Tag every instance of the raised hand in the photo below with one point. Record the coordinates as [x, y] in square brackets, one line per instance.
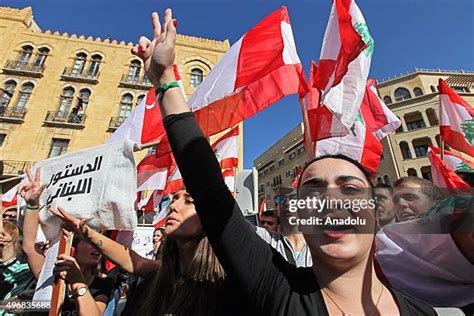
[158, 54]
[74, 224]
[31, 191]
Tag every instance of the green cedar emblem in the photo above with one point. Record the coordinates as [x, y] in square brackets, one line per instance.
[468, 130]
[464, 167]
[363, 31]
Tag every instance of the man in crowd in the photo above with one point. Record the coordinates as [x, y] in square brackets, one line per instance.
[385, 211]
[10, 213]
[413, 197]
[288, 240]
[269, 220]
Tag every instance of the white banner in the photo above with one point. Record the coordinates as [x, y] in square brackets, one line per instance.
[97, 183]
[143, 241]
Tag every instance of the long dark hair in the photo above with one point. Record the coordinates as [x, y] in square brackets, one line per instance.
[191, 292]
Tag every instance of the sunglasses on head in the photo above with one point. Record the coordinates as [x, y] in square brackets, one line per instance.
[267, 222]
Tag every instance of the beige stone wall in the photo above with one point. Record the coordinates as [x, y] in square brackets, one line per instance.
[31, 139]
[269, 167]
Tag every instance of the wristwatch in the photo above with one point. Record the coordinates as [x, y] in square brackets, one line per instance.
[79, 292]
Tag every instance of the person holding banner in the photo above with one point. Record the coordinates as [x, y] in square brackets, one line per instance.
[189, 279]
[87, 294]
[342, 279]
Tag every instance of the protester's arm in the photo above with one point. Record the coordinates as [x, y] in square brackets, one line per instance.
[233, 239]
[66, 267]
[31, 192]
[124, 257]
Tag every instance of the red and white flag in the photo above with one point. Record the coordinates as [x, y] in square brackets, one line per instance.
[342, 72]
[229, 179]
[360, 144]
[226, 149]
[174, 182]
[153, 201]
[263, 207]
[456, 120]
[444, 176]
[153, 171]
[144, 125]
[258, 70]
[377, 116]
[10, 197]
[160, 218]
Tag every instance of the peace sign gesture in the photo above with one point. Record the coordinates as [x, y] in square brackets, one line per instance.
[159, 54]
[31, 191]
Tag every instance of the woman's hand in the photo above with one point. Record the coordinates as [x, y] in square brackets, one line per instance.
[31, 191]
[74, 224]
[158, 55]
[66, 268]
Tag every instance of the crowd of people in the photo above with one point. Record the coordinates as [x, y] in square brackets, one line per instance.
[418, 254]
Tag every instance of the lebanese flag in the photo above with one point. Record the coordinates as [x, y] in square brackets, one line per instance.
[444, 176]
[456, 162]
[360, 144]
[342, 72]
[226, 149]
[10, 198]
[152, 171]
[296, 180]
[229, 179]
[312, 98]
[259, 69]
[160, 218]
[153, 201]
[377, 116]
[456, 120]
[174, 181]
[145, 124]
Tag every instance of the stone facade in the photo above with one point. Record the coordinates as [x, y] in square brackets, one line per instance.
[72, 91]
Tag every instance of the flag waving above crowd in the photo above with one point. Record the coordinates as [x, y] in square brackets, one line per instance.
[342, 71]
[456, 120]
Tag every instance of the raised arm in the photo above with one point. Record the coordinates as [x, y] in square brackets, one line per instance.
[124, 257]
[233, 239]
[31, 192]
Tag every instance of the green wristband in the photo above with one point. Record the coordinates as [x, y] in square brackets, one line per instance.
[166, 86]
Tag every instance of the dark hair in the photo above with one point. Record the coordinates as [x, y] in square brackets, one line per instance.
[388, 187]
[271, 213]
[341, 157]
[427, 187]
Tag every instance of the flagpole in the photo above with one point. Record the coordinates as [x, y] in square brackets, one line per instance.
[139, 147]
[441, 140]
[307, 135]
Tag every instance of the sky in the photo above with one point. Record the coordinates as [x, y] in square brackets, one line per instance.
[433, 34]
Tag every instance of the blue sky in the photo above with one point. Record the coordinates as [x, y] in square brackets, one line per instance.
[407, 33]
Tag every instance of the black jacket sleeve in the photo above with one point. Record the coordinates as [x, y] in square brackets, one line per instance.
[245, 257]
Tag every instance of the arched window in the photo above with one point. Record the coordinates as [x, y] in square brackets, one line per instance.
[77, 113]
[83, 99]
[25, 54]
[41, 57]
[139, 99]
[433, 88]
[94, 66]
[402, 94]
[406, 153]
[386, 179]
[387, 100]
[417, 91]
[421, 145]
[400, 129]
[65, 100]
[426, 173]
[125, 106]
[414, 120]
[79, 64]
[7, 94]
[197, 76]
[432, 117]
[134, 70]
[379, 180]
[25, 93]
[412, 172]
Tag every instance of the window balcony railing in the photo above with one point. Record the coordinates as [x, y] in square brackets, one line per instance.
[135, 82]
[14, 167]
[116, 121]
[23, 68]
[74, 74]
[12, 115]
[67, 120]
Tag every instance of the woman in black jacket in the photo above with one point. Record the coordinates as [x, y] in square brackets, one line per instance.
[342, 280]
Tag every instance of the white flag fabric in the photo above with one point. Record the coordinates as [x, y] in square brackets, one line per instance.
[98, 183]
